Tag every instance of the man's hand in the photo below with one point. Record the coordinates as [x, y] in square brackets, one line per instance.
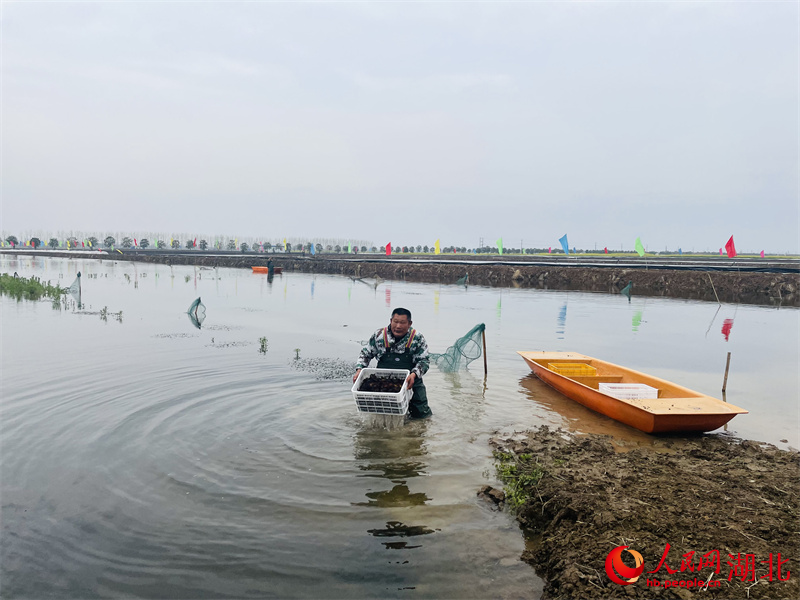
[412, 377]
[356, 375]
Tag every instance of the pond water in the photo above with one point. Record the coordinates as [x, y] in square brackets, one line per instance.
[144, 457]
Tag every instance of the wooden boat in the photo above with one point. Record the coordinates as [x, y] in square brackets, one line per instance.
[275, 270]
[675, 408]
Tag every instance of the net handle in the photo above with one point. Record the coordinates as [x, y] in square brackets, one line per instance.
[485, 369]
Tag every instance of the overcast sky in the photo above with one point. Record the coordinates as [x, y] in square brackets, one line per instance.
[406, 122]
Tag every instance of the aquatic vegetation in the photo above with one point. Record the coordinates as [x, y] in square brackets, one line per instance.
[32, 288]
[104, 314]
[263, 345]
[520, 474]
[326, 368]
[297, 353]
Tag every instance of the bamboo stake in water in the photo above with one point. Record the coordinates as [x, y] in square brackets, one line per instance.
[483, 335]
[713, 288]
[727, 366]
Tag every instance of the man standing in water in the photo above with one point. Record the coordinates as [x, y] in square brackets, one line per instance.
[400, 347]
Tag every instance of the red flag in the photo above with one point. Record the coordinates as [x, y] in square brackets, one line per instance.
[195, 242]
[388, 249]
[606, 249]
[762, 254]
[720, 251]
[83, 245]
[730, 248]
[135, 243]
[550, 250]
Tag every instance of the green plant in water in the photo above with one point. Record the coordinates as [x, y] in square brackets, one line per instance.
[263, 345]
[23, 288]
[186, 278]
[519, 475]
[297, 353]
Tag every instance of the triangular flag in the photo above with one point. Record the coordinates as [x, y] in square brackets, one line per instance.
[606, 249]
[730, 248]
[437, 248]
[680, 251]
[500, 245]
[313, 252]
[564, 243]
[720, 251]
[284, 244]
[639, 247]
[762, 254]
[349, 247]
[550, 250]
[389, 249]
[135, 243]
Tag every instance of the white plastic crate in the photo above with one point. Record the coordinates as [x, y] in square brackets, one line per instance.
[628, 391]
[381, 402]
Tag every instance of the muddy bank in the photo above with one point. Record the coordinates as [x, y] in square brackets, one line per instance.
[773, 289]
[579, 498]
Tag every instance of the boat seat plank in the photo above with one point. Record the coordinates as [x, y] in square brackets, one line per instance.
[593, 380]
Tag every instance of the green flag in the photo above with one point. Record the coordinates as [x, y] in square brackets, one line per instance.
[639, 247]
[500, 245]
[349, 247]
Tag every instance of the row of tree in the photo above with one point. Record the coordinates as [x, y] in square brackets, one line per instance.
[127, 242]
[144, 243]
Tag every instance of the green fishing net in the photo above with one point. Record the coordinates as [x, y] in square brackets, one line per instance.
[466, 349]
[197, 313]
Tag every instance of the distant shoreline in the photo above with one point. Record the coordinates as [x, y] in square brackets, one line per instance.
[747, 281]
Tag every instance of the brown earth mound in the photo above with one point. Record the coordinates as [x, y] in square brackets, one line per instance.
[584, 498]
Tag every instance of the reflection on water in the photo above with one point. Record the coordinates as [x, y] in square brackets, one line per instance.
[561, 322]
[398, 529]
[636, 320]
[394, 455]
[399, 495]
[727, 325]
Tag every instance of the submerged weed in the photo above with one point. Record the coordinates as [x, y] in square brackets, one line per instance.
[263, 345]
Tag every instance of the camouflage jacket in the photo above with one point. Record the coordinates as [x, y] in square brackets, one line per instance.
[382, 341]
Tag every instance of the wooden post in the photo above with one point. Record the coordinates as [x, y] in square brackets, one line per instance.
[713, 288]
[483, 335]
[727, 366]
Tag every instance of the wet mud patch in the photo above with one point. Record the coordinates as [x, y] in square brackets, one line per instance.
[577, 498]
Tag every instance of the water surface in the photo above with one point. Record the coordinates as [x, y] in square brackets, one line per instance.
[144, 457]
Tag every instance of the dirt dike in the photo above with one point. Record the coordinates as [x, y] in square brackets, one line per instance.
[582, 497]
[772, 289]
